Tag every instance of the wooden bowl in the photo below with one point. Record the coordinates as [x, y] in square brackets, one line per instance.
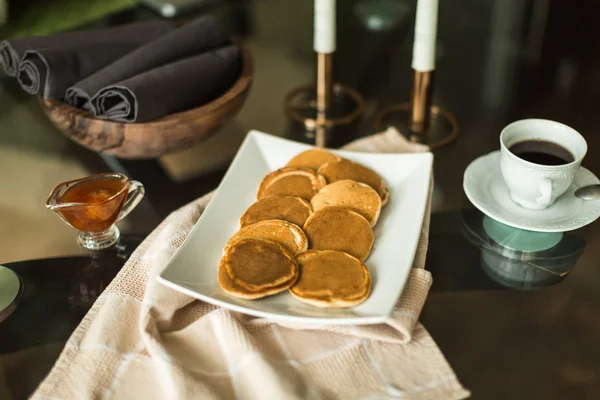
[155, 138]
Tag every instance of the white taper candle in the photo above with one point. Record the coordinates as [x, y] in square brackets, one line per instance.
[425, 35]
[324, 33]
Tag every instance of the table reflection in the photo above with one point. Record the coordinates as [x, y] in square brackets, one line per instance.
[521, 259]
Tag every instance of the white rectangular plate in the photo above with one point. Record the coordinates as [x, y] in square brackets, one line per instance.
[193, 270]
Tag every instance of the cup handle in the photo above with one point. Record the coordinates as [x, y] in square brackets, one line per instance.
[545, 189]
[134, 196]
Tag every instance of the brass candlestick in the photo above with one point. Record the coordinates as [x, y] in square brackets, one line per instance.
[319, 112]
[420, 98]
[324, 81]
[322, 110]
[324, 94]
[418, 120]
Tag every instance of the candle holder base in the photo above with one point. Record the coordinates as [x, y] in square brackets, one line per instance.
[443, 126]
[331, 128]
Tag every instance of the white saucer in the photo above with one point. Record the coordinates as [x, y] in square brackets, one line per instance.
[485, 188]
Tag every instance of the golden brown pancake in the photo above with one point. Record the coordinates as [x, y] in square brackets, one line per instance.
[331, 279]
[290, 236]
[354, 195]
[234, 289]
[312, 159]
[339, 228]
[345, 169]
[288, 181]
[254, 268]
[287, 208]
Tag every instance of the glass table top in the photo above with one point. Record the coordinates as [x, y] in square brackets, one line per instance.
[515, 314]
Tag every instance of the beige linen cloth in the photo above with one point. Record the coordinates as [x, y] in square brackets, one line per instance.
[142, 340]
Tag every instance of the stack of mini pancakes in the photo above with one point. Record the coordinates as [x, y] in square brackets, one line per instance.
[308, 232]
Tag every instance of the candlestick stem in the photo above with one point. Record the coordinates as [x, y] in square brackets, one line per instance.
[420, 100]
[324, 93]
[324, 81]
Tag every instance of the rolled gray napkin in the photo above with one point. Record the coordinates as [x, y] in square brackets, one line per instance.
[49, 72]
[174, 87]
[134, 35]
[203, 34]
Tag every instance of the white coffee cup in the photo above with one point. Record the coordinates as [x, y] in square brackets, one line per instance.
[537, 186]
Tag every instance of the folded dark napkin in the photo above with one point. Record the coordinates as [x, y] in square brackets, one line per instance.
[49, 72]
[203, 34]
[171, 88]
[134, 35]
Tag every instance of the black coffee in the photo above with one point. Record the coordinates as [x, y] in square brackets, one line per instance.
[542, 152]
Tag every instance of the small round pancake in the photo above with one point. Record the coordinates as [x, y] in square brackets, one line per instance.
[312, 159]
[331, 279]
[229, 286]
[339, 228]
[290, 236]
[288, 181]
[354, 195]
[346, 169]
[258, 267]
[287, 208]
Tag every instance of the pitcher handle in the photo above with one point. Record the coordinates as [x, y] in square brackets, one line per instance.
[134, 196]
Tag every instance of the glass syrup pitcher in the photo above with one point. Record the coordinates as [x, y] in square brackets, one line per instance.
[93, 205]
